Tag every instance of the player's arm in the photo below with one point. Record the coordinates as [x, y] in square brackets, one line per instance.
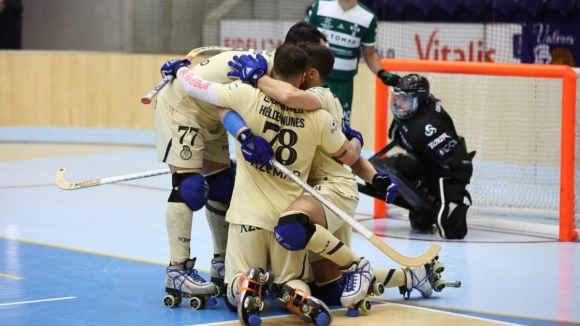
[287, 94]
[253, 71]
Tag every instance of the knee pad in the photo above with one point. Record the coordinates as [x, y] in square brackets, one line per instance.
[221, 185]
[294, 231]
[189, 188]
[421, 220]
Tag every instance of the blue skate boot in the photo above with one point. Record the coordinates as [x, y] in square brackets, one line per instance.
[360, 282]
[250, 304]
[425, 279]
[308, 308]
[183, 281]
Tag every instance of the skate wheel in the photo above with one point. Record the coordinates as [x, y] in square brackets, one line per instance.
[323, 319]
[281, 303]
[211, 302]
[439, 285]
[218, 292]
[378, 288]
[268, 278]
[352, 312]
[249, 303]
[272, 288]
[264, 307]
[170, 301]
[439, 268]
[254, 320]
[305, 318]
[365, 305]
[195, 303]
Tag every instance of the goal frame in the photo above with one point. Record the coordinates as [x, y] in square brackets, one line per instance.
[567, 231]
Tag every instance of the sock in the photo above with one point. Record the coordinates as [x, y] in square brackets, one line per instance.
[178, 219]
[391, 277]
[215, 213]
[328, 246]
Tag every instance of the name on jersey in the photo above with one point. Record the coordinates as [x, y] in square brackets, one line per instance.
[274, 172]
[277, 115]
[438, 140]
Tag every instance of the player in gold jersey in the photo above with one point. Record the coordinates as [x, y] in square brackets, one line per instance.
[336, 183]
[262, 194]
[193, 142]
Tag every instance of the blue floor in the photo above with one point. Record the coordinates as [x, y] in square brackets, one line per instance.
[97, 256]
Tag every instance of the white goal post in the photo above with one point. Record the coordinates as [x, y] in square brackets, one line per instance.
[522, 120]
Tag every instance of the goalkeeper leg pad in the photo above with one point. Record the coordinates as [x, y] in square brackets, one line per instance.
[294, 230]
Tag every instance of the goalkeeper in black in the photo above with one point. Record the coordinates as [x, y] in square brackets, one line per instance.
[436, 167]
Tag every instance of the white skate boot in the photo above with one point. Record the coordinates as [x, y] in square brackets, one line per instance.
[359, 283]
[183, 281]
[218, 273]
[424, 279]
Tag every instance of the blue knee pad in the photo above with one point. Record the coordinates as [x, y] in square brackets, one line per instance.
[192, 189]
[294, 231]
[221, 185]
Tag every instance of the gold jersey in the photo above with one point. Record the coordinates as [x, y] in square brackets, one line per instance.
[213, 69]
[260, 196]
[325, 167]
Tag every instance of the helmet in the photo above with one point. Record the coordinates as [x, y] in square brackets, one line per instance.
[409, 93]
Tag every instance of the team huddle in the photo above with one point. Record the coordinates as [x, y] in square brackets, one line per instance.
[276, 106]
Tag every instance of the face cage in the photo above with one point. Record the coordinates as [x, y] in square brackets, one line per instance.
[400, 112]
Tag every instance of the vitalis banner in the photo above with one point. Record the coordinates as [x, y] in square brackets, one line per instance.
[407, 40]
[548, 43]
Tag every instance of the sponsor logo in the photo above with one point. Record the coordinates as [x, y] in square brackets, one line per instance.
[438, 107]
[341, 26]
[189, 78]
[551, 37]
[185, 240]
[438, 141]
[249, 228]
[257, 43]
[474, 51]
[317, 90]
[327, 23]
[430, 130]
[334, 127]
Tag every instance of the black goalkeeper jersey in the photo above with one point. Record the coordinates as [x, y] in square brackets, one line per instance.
[429, 134]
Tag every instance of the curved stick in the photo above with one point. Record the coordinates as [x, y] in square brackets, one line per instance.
[63, 184]
[399, 258]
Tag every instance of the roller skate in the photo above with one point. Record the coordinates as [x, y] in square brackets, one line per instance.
[183, 281]
[360, 282]
[217, 273]
[250, 296]
[425, 279]
[308, 308]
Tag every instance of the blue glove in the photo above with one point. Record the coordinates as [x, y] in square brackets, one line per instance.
[256, 149]
[248, 69]
[385, 185]
[351, 133]
[171, 67]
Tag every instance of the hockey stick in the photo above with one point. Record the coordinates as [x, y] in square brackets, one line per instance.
[399, 258]
[192, 54]
[63, 184]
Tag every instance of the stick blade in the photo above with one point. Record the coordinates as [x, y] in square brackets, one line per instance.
[407, 261]
[65, 185]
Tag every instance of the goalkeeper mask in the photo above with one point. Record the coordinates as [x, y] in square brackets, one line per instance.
[405, 104]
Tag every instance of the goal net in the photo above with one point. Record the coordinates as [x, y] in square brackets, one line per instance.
[523, 122]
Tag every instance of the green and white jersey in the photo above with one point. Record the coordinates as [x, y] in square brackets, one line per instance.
[345, 31]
